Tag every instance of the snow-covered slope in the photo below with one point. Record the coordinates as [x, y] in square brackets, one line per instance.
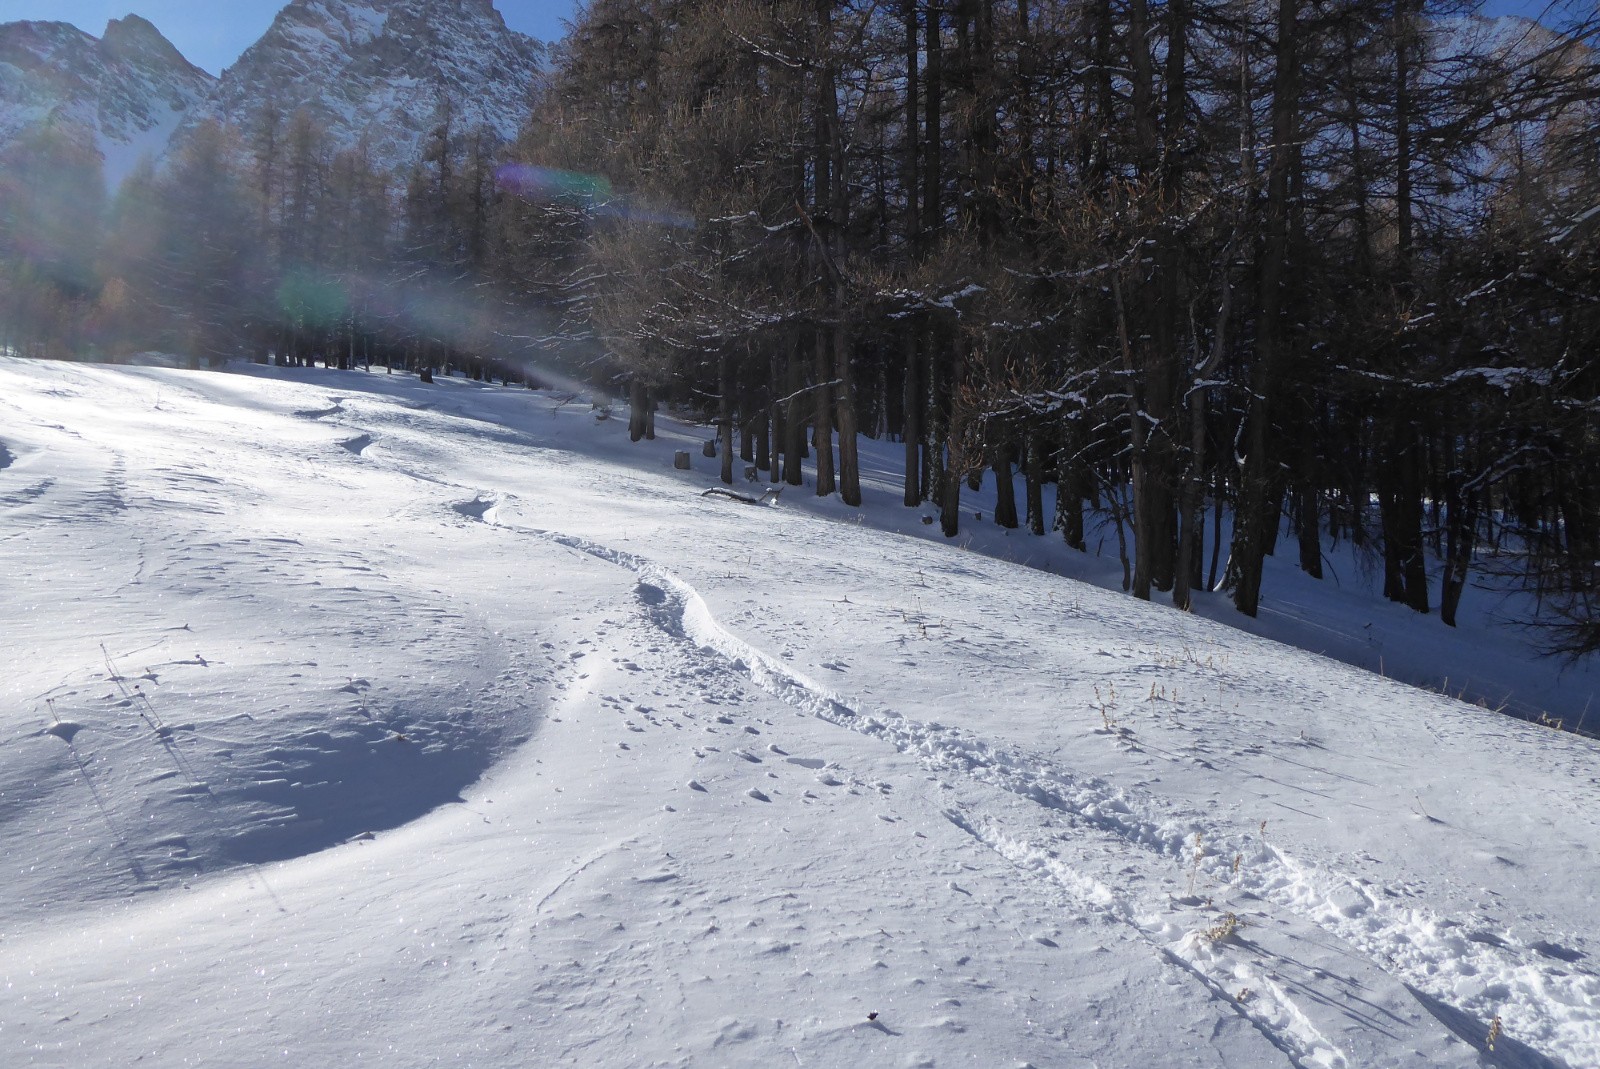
[382, 70]
[350, 719]
[126, 91]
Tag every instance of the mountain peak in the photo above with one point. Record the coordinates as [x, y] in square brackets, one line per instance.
[133, 39]
[377, 71]
[124, 93]
[132, 28]
[373, 71]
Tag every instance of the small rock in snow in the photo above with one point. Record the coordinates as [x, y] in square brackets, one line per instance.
[696, 785]
[757, 795]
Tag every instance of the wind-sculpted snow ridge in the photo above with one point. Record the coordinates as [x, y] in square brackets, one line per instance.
[1314, 958]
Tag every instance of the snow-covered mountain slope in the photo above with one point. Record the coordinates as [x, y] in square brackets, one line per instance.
[126, 91]
[348, 718]
[383, 70]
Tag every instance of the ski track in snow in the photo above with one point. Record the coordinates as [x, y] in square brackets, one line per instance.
[1218, 918]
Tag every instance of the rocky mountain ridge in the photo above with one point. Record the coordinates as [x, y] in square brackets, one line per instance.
[382, 72]
[125, 92]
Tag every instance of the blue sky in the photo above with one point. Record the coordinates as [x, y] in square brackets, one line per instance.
[212, 33]
[213, 40]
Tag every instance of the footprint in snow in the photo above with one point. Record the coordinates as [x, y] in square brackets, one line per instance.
[1560, 953]
[476, 509]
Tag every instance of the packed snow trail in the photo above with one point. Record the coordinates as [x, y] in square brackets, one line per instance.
[1328, 917]
[1337, 920]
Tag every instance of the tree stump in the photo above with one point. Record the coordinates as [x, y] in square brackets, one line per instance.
[709, 448]
[680, 460]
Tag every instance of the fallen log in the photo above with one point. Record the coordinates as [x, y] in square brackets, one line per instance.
[770, 497]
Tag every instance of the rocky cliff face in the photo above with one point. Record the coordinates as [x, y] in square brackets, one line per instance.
[384, 71]
[124, 93]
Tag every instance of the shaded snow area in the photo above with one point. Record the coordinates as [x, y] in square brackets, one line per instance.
[351, 719]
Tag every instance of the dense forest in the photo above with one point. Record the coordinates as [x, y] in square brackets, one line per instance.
[1229, 277]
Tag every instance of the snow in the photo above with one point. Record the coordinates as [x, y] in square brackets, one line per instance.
[351, 718]
[124, 154]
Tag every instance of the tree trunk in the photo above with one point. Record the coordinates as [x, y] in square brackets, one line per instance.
[794, 426]
[780, 434]
[1005, 487]
[912, 425]
[823, 432]
[1461, 530]
[849, 450]
[1070, 493]
[1249, 535]
[933, 125]
[1142, 527]
[1033, 482]
[637, 400]
[950, 503]
[1308, 523]
[725, 415]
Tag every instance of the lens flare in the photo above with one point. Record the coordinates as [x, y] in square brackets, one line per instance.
[312, 299]
[547, 185]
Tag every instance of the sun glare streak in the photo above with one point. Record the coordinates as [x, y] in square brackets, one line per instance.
[470, 319]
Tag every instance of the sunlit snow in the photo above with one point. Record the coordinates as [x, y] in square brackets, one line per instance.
[350, 719]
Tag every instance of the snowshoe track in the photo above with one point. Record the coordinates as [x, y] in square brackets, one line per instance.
[1376, 956]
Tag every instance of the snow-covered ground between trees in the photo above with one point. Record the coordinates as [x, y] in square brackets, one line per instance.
[351, 720]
